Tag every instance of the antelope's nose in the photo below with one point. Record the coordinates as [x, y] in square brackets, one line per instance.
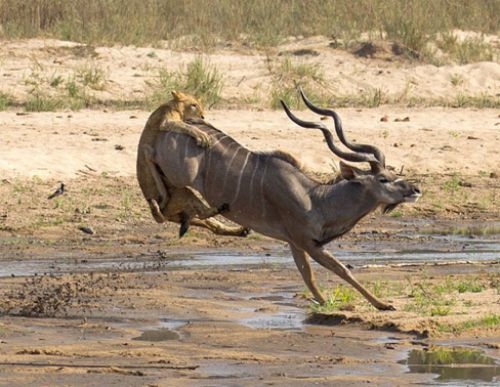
[202, 117]
[416, 191]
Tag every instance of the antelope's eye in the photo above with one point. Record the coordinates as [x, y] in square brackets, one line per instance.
[383, 180]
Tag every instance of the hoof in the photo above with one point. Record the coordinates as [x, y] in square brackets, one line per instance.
[386, 307]
[183, 229]
[223, 208]
[244, 232]
[184, 225]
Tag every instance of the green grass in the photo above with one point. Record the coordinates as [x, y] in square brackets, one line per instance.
[456, 79]
[489, 321]
[470, 286]
[288, 75]
[482, 101]
[339, 298]
[199, 78]
[396, 214]
[6, 100]
[92, 76]
[429, 301]
[452, 185]
[41, 102]
[469, 231]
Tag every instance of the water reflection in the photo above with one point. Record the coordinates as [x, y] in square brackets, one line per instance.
[454, 364]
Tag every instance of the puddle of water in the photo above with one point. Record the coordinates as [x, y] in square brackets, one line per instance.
[172, 324]
[439, 249]
[161, 334]
[454, 364]
[289, 320]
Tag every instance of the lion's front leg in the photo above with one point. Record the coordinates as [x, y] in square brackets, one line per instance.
[202, 139]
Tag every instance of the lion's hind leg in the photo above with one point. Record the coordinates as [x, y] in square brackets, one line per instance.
[220, 228]
[187, 207]
[162, 197]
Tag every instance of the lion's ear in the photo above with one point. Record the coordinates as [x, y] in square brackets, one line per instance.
[177, 96]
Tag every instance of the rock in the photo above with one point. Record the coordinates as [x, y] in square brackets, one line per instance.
[86, 230]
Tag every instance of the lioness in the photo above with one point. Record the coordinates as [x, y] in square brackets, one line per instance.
[180, 205]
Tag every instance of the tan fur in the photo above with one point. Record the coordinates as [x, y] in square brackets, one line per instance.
[180, 205]
[169, 116]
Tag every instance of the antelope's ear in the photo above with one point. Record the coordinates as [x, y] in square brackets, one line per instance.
[349, 172]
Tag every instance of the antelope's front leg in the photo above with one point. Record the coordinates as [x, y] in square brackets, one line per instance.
[304, 266]
[324, 258]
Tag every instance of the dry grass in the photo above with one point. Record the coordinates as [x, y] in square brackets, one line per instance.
[207, 21]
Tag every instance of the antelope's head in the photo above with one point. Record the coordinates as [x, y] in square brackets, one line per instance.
[386, 187]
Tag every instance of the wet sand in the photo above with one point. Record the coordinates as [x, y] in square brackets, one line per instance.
[247, 323]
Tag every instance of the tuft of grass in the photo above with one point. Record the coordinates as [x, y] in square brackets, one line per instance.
[489, 321]
[469, 50]
[470, 286]
[204, 80]
[42, 102]
[6, 100]
[200, 78]
[430, 300]
[77, 95]
[396, 214]
[288, 75]
[482, 101]
[339, 298]
[456, 79]
[300, 71]
[92, 76]
[469, 231]
[452, 185]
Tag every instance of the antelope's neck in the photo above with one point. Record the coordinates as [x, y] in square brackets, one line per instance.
[341, 207]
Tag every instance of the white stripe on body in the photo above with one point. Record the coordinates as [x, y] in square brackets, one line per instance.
[228, 171]
[261, 195]
[238, 185]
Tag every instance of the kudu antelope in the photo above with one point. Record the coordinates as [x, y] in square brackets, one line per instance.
[270, 195]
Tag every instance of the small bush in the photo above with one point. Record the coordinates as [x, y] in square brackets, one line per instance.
[5, 101]
[200, 79]
[40, 102]
[92, 76]
[469, 286]
[288, 75]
